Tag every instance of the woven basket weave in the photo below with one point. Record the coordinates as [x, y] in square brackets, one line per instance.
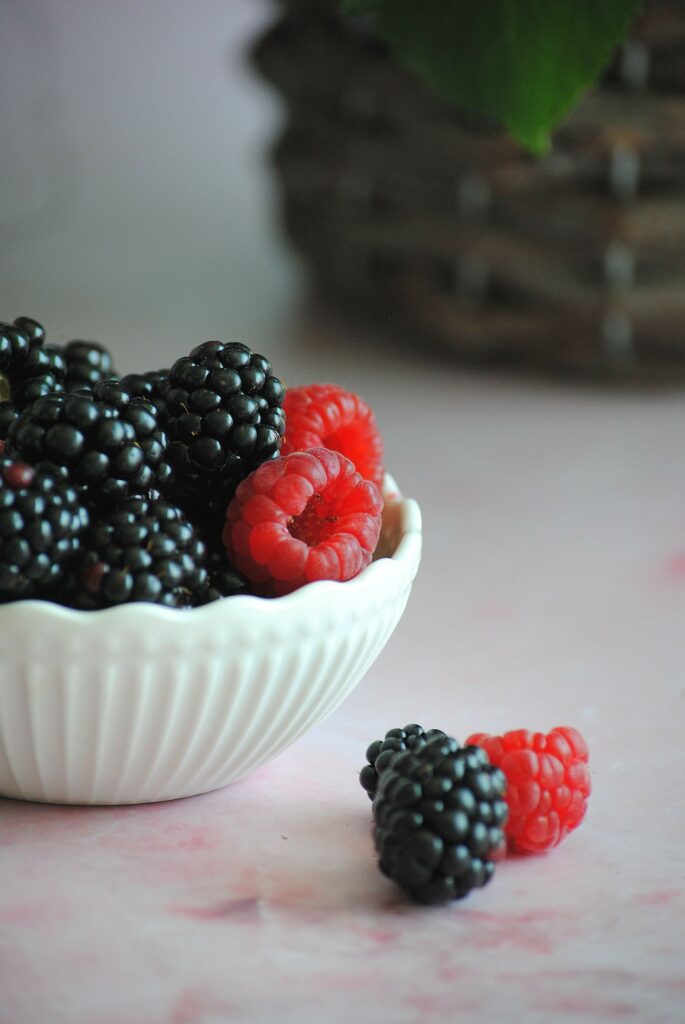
[444, 227]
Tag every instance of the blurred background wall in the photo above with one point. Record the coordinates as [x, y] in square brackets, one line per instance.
[136, 206]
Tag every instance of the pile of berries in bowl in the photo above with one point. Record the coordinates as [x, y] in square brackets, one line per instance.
[195, 566]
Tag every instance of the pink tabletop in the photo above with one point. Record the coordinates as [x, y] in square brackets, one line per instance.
[552, 591]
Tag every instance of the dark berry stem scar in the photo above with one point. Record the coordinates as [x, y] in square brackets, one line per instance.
[5, 389]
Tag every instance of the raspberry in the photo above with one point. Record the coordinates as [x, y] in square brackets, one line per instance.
[438, 815]
[325, 415]
[302, 517]
[380, 753]
[548, 784]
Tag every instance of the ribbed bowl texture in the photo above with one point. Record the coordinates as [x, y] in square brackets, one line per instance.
[143, 703]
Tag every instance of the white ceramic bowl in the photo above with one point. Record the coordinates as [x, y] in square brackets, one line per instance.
[142, 703]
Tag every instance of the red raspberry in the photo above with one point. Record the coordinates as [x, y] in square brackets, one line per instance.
[548, 784]
[326, 415]
[302, 517]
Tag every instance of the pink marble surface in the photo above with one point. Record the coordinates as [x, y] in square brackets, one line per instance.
[552, 591]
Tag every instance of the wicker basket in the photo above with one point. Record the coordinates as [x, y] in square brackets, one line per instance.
[444, 227]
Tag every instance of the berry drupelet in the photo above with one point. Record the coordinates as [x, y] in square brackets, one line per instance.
[225, 419]
[439, 813]
[143, 550]
[109, 442]
[41, 520]
[29, 327]
[87, 364]
[28, 368]
[380, 753]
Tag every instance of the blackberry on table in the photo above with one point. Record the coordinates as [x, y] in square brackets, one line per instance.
[109, 442]
[143, 550]
[225, 418]
[439, 813]
[28, 368]
[41, 521]
[380, 753]
[87, 363]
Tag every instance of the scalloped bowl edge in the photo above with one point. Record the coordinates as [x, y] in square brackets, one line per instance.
[142, 703]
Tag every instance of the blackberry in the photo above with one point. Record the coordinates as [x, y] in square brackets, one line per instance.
[41, 520]
[225, 419]
[143, 550]
[223, 579]
[87, 363]
[439, 813]
[380, 753]
[109, 442]
[28, 368]
[34, 331]
[153, 386]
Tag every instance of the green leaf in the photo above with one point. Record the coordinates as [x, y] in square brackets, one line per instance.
[524, 63]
